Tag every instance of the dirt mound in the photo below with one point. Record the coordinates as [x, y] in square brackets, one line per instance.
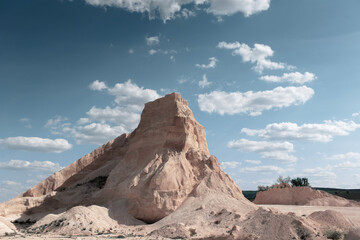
[287, 195]
[330, 218]
[6, 227]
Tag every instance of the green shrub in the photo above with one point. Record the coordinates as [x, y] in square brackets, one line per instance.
[299, 182]
[333, 234]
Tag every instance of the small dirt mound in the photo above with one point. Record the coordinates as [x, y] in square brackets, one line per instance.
[288, 195]
[330, 218]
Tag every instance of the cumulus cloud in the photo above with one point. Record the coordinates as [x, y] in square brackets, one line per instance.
[229, 7]
[320, 172]
[355, 114]
[97, 85]
[151, 41]
[348, 165]
[253, 103]
[36, 144]
[294, 77]
[104, 124]
[170, 9]
[346, 156]
[323, 132]
[258, 55]
[267, 169]
[211, 64]
[56, 124]
[126, 117]
[96, 133]
[204, 82]
[130, 93]
[227, 165]
[256, 162]
[270, 150]
[34, 166]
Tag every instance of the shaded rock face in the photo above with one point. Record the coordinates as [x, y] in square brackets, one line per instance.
[151, 171]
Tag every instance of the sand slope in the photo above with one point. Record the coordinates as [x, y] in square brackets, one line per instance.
[287, 195]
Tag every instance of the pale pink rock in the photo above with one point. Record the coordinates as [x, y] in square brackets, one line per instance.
[153, 170]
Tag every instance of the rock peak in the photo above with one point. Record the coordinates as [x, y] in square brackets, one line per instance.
[170, 123]
[148, 173]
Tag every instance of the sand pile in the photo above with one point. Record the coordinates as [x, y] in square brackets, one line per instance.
[330, 218]
[159, 181]
[287, 195]
[6, 227]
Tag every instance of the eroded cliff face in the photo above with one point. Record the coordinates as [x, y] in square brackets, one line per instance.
[152, 171]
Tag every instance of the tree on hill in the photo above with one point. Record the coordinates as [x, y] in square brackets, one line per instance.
[299, 182]
[281, 180]
[295, 182]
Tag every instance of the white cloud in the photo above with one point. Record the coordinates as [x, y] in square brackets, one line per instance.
[26, 122]
[170, 9]
[267, 169]
[256, 162]
[97, 85]
[34, 166]
[128, 118]
[104, 124]
[11, 183]
[164, 52]
[347, 165]
[82, 121]
[211, 64]
[253, 103]
[323, 132]
[36, 144]
[152, 51]
[320, 172]
[96, 133]
[56, 124]
[186, 13]
[130, 93]
[355, 114]
[53, 122]
[151, 41]
[229, 7]
[204, 82]
[131, 51]
[270, 150]
[227, 165]
[182, 80]
[294, 77]
[346, 156]
[258, 55]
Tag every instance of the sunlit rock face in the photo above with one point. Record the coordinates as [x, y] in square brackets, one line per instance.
[150, 172]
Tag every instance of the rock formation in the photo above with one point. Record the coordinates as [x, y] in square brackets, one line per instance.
[151, 171]
[286, 195]
[158, 181]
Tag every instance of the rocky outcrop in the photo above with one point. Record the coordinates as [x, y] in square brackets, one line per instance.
[152, 171]
[287, 195]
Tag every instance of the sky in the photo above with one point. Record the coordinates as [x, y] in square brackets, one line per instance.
[275, 83]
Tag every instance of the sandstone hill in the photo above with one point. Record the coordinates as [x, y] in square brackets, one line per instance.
[159, 181]
[284, 194]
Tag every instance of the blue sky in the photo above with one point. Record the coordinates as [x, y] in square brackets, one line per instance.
[275, 83]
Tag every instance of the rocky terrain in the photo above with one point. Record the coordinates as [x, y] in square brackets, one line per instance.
[158, 182]
[284, 194]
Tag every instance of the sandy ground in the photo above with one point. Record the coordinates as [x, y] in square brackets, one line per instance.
[352, 213]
